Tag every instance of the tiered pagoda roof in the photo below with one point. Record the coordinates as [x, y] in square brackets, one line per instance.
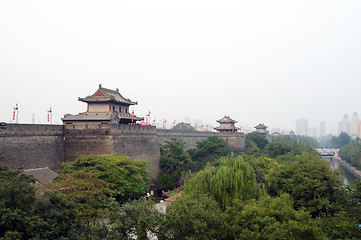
[261, 126]
[226, 119]
[226, 124]
[105, 106]
[107, 95]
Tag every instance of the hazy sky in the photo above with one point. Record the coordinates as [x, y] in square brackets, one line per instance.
[257, 61]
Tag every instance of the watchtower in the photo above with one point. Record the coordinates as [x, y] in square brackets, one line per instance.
[226, 125]
[104, 106]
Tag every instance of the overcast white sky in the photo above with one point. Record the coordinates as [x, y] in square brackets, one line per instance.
[257, 61]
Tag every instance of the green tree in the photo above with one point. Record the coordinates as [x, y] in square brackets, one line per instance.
[310, 181]
[194, 216]
[174, 161]
[232, 178]
[271, 218]
[352, 153]
[138, 218]
[184, 127]
[89, 194]
[129, 178]
[342, 140]
[23, 215]
[275, 149]
[209, 150]
[256, 139]
[173, 155]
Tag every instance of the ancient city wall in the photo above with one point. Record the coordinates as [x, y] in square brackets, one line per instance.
[35, 145]
[189, 137]
[138, 142]
[86, 139]
[235, 141]
[32, 145]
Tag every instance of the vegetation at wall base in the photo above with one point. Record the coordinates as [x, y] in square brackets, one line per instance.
[128, 179]
[285, 191]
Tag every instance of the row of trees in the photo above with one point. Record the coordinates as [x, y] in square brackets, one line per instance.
[352, 153]
[176, 163]
[282, 191]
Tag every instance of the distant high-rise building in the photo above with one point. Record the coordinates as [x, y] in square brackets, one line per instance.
[302, 127]
[359, 128]
[345, 124]
[339, 128]
[322, 128]
[354, 125]
[312, 132]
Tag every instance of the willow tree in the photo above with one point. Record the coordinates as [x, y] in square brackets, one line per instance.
[232, 178]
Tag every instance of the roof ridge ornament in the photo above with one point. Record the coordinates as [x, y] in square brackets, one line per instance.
[100, 85]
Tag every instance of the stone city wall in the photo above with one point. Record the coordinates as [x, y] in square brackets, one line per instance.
[36, 145]
[32, 145]
[235, 141]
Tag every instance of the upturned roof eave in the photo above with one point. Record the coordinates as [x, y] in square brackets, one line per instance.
[97, 100]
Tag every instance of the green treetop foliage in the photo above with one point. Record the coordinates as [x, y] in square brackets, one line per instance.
[174, 162]
[310, 141]
[271, 218]
[196, 216]
[232, 178]
[23, 215]
[129, 178]
[275, 149]
[310, 181]
[89, 194]
[354, 200]
[352, 153]
[285, 148]
[342, 140]
[209, 150]
[184, 127]
[261, 165]
[256, 139]
[173, 156]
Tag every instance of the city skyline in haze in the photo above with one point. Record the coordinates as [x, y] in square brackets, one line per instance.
[258, 62]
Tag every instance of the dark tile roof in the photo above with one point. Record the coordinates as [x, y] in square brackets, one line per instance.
[42, 175]
[115, 116]
[226, 119]
[261, 126]
[108, 96]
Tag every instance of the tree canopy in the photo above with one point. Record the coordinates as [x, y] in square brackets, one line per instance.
[23, 215]
[256, 139]
[311, 183]
[209, 150]
[184, 127]
[231, 178]
[352, 153]
[128, 178]
[342, 140]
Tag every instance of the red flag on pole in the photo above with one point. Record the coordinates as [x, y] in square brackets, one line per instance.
[13, 115]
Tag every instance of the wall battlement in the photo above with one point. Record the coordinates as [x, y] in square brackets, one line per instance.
[40, 145]
[32, 130]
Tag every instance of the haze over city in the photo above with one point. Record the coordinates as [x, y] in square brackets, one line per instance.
[266, 61]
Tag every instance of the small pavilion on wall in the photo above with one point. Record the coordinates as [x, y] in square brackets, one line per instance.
[226, 125]
[105, 106]
[261, 128]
